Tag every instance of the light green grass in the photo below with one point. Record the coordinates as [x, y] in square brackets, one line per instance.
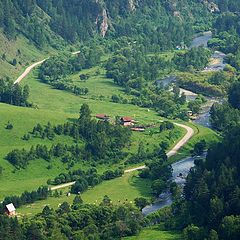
[23, 120]
[154, 233]
[58, 106]
[120, 190]
[100, 87]
[45, 97]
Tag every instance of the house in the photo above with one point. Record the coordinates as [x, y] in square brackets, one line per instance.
[102, 117]
[10, 210]
[127, 121]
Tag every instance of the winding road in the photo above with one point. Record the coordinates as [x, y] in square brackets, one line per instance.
[172, 152]
[175, 149]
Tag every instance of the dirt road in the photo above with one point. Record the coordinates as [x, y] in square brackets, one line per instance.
[62, 186]
[29, 69]
[175, 149]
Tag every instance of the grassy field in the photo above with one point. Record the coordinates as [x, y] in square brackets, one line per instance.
[154, 233]
[120, 190]
[36, 174]
[58, 106]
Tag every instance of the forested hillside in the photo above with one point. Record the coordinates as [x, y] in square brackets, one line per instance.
[41, 20]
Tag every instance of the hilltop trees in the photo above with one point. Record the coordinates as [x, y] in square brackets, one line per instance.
[80, 221]
[234, 95]
[103, 142]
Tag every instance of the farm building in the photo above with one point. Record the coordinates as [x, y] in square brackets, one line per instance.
[10, 210]
[127, 121]
[103, 117]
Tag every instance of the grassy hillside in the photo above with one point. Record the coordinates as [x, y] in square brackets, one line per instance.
[36, 174]
[20, 49]
[120, 190]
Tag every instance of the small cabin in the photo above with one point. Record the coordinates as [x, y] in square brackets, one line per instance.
[127, 121]
[10, 210]
[102, 117]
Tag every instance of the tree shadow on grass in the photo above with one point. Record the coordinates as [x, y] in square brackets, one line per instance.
[72, 120]
[142, 185]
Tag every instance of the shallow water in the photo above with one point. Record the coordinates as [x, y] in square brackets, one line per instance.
[201, 40]
[180, 172]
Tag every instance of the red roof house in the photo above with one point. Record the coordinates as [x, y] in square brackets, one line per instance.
[127, 121]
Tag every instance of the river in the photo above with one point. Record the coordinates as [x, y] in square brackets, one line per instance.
[179, 174]
[216, 64]
[182, 168]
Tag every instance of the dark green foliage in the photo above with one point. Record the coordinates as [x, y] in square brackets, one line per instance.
[26, 198]
[13, 93]
[141, 202]
[199, 148]
[197, 58]
[104, 142]
[211, 195]
[166, 126]
[234, 95]
[9, 126]
[158, 171]
[10, 228]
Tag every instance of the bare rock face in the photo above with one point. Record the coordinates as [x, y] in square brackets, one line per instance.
[133, 5]
[104, 25]
[212, 7]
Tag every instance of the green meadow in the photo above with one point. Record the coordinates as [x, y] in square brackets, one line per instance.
[56, 106]
[121, 190]
[25, 52]
[155, 233]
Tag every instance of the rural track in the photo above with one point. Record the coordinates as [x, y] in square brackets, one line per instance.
[61, 186]
[29, 69]
[172, 152]
[175, 149]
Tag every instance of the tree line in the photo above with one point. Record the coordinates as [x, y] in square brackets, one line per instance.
[55, 70]
[103, 142]
[26, 198]
[76, 221]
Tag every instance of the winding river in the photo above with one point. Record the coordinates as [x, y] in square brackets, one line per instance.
[180, 172]
[182, 168]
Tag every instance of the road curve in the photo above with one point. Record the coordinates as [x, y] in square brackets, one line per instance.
[175, 149]
[183, 141]
[29, 69]
[172, 152]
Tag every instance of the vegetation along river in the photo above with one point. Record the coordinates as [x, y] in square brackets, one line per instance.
[182, 168]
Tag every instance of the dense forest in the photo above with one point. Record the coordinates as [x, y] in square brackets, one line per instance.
[157, 24]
